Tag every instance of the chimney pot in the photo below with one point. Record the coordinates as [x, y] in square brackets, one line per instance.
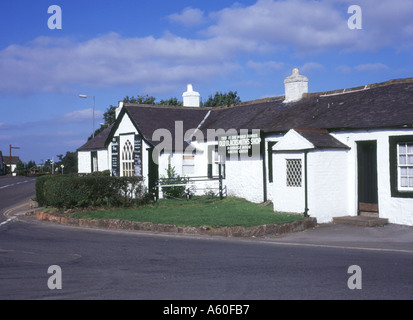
[191, 98]
[296, 86]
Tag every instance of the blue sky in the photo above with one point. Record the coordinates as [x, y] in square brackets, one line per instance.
[111, 49]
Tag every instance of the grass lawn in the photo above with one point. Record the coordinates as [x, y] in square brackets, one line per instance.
[198, 212]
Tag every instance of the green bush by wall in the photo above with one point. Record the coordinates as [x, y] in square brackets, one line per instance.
[67, 192]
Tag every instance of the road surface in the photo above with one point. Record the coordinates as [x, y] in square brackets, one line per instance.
[103, 264]
[15, 191]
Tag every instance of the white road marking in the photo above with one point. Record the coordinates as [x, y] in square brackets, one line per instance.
[11, 185]
[7, 221]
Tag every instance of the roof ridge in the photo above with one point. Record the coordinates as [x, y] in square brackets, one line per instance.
[162, 106]
[333, 92]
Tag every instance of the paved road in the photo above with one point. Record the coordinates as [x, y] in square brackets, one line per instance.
[102, 264]
[14, 191]
[98, 264]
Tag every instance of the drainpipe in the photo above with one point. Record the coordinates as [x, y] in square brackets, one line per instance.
[305, 184]
[264, 168]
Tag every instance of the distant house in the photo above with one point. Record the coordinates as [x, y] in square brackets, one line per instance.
[325, 154]
[12, 163]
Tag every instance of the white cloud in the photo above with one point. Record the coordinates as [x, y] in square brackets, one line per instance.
[80, 116]
[265, 67]
[111, 60]
[189, 17]
[372, 67]
[343, 69]
[310, 67]
[317, 26]
[303, 27]
[367, 67]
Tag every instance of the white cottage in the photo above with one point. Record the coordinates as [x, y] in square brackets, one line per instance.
[324, 154]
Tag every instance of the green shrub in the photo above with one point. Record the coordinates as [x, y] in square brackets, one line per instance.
[67, 192]
[173, 178]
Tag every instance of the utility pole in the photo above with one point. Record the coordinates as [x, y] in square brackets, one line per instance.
[84, 96]
[11, 173]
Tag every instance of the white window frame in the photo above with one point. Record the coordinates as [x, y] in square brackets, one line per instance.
[188, 165]
[128, 161]
[405, 166]
[94, 156]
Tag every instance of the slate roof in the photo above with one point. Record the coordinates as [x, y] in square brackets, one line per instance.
[381, 105]
[99, 142]
[149, 118]
[14, 160]
[321, 139]
[378, 106]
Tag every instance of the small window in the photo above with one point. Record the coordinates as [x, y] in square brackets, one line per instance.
[188, 165]
[294, 173]
[94, 158]
[401, 166]
[405, 166]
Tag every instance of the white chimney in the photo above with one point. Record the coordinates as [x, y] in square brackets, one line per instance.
[190, 97]
[296, 86]
[118, 109]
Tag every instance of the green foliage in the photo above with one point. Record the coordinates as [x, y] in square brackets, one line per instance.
[69, 161]
[222, 99]
[23, 168]
[171, 102]
[146, 99]
[67, 192]
[173, 178]
[109, 116]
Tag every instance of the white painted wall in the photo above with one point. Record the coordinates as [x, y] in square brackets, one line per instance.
[83, 161]
[287, 199]
[244, 179]
[127, 131]
[397, 210]
[103, 160]
[125, 126]
[332, 181]
[328, 184]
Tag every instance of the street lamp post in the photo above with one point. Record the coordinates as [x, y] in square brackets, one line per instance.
[84, 96]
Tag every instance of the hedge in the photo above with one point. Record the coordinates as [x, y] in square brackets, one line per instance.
[68, 192]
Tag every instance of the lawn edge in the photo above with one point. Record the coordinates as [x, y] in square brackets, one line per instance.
[237, 231]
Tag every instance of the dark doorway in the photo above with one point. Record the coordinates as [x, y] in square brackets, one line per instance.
[367, 176]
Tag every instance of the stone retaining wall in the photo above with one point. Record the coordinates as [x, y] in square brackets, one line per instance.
[257, 231]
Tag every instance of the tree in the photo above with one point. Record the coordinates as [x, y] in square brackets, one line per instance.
[171, 102]
[69, 161]
[109, 116]
[146, 99]
[222, 99]
[23, 168]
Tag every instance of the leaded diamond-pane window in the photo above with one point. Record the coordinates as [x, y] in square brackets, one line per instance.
[294, 173]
